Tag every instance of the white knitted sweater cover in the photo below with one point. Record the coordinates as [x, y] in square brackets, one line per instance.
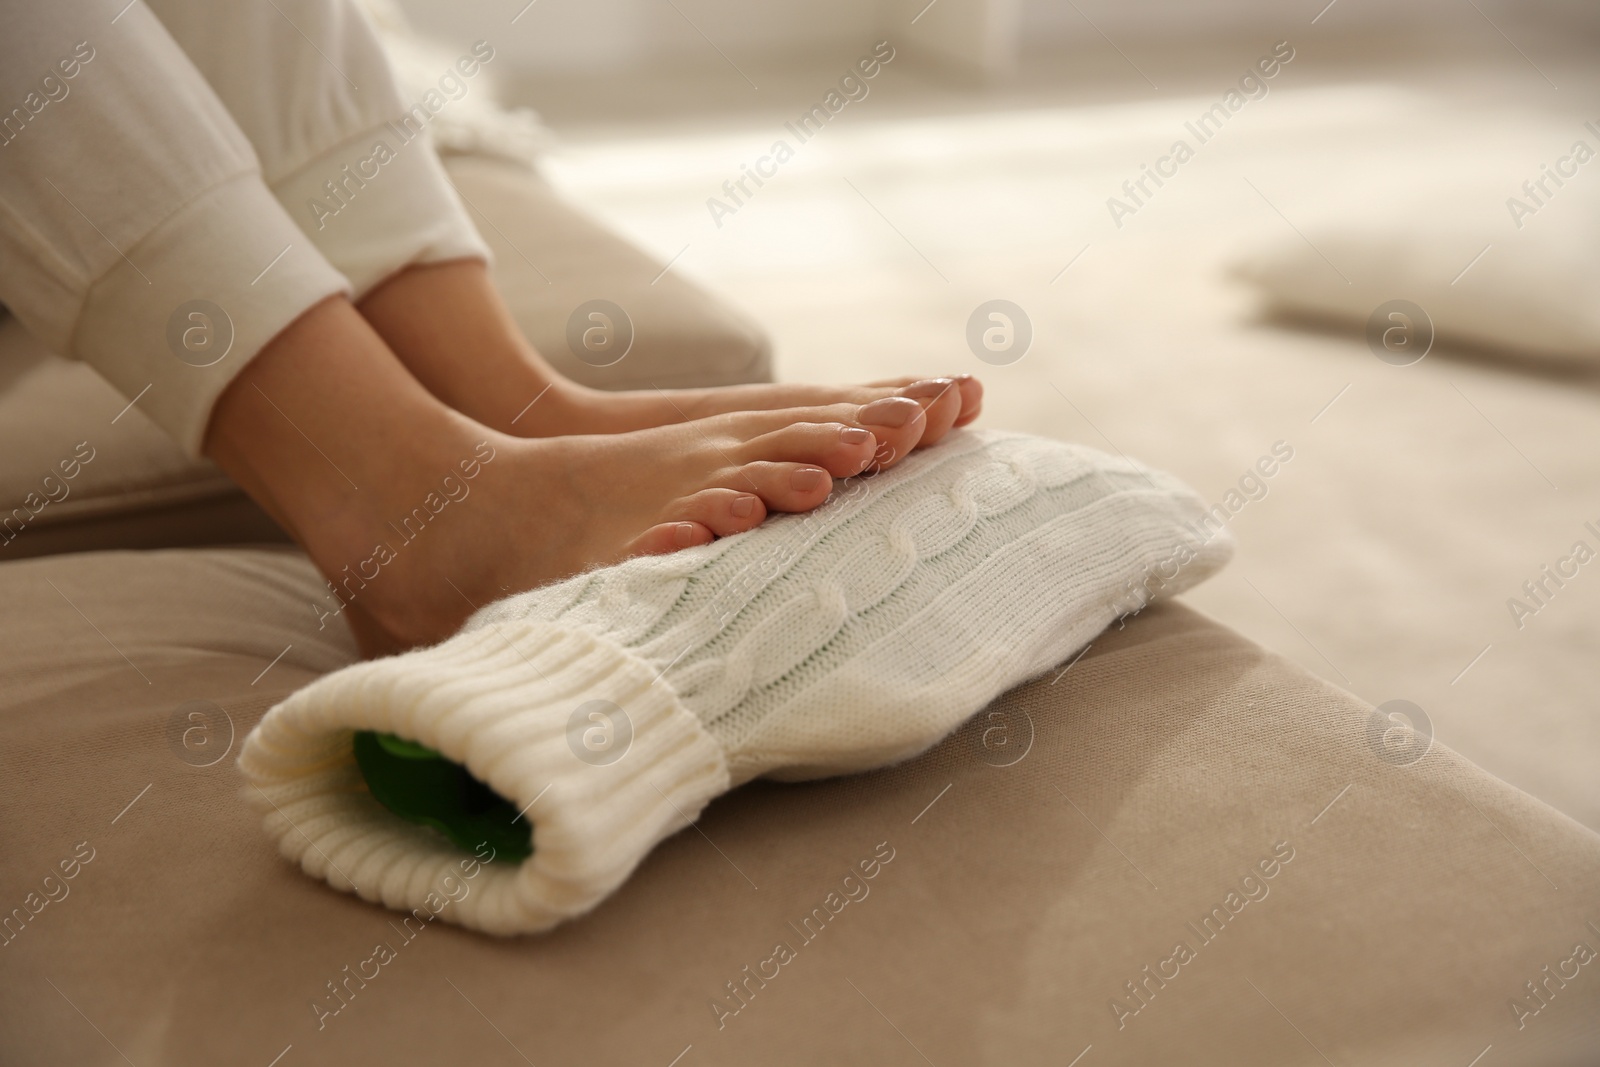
[849, 638]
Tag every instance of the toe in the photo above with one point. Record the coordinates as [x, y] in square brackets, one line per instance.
[971, 390]
[669, 537]
[838, 448]
[897, 422]
[722, 511]
[941, 401]
[782, 486]
[971, 398]
[885, 387]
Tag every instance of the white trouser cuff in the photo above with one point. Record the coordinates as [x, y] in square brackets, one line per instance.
[190, 304]
[377, 203]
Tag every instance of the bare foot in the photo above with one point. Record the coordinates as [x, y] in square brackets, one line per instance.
[538, 510]
[418, 515]
[448, 325]
[949, 402]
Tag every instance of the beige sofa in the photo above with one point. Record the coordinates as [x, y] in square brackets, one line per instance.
[1178, 849]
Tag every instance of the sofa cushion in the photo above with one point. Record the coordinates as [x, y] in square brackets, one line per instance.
[1445, 261]
[552, 261]
[1016, 895]
[140, 491]
[81, 469]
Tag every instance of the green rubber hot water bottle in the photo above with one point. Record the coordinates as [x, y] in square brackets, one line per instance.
[421, 786]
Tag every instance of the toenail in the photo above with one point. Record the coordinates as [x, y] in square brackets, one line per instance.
[891, 411]
[855, 435]
[684, 534]
[806, 479]
[928, 388]
[744, 507]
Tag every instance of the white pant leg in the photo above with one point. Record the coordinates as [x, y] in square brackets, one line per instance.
[127, 192]
[310, 86]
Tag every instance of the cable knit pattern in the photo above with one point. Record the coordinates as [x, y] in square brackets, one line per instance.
[848, 638]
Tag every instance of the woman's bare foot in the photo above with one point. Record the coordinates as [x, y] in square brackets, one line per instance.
[949, 402]
[544, 509]
[448, 325]
[417, 515]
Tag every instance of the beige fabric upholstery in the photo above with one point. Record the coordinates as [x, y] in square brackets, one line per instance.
[550, 258]
[1164, 766]
[138, 490]
[141, 491]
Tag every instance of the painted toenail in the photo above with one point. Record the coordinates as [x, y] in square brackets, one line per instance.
[932, 387]
[744, 507]
[855, 435]
[684, 534]
[891, 411]
[806, 479]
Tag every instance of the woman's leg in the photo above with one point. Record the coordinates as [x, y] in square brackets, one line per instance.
[349, 158]
[398, 232]
[136, 233]
[414, 512]
[417, 515]
[448, 325]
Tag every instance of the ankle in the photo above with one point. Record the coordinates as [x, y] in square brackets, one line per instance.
[449, 327]
[326, 430]
[400, 565]
[553, 407]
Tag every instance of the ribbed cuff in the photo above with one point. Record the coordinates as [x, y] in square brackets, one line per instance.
[377, 203]
[192, 303]
[511, 703]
